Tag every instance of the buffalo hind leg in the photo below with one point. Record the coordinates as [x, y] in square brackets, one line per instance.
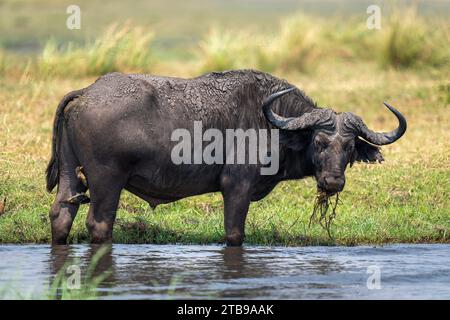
[105, 187]
[236, 202]
[63, 212]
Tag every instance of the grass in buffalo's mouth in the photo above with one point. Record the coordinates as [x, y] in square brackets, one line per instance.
[321, 214]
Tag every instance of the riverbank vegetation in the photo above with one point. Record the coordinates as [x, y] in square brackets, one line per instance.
[338, 62]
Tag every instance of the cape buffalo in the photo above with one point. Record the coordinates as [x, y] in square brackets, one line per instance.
[116, 134]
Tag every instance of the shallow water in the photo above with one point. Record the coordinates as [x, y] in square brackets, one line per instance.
[253, 272]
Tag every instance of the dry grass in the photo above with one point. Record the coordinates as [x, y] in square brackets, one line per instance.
[410, 41]
[120, 48]
[302, 42]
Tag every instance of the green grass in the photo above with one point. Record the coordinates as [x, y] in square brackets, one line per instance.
[353, 69]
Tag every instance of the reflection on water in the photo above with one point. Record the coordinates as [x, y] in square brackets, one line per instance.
[180, 271]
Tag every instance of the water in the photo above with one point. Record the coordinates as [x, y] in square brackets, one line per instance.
[252, 272]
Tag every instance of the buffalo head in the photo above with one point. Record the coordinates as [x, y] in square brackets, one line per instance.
[334, 140]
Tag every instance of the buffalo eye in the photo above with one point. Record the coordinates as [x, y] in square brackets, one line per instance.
[321, 144]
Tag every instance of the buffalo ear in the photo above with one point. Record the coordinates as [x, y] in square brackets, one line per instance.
[295, 140]
[365, 152]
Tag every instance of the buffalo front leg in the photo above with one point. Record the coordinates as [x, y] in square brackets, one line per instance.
[236, 203]
[105, 188]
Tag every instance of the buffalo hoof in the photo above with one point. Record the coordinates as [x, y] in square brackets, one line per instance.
[235, 240]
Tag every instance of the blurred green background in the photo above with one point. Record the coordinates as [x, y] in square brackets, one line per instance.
[25, 26]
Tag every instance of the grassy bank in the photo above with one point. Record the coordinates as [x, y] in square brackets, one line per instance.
[405, 199]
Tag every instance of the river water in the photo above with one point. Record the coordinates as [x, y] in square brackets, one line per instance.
[400, 271]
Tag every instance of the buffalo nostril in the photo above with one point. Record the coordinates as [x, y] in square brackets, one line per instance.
[334, 183]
